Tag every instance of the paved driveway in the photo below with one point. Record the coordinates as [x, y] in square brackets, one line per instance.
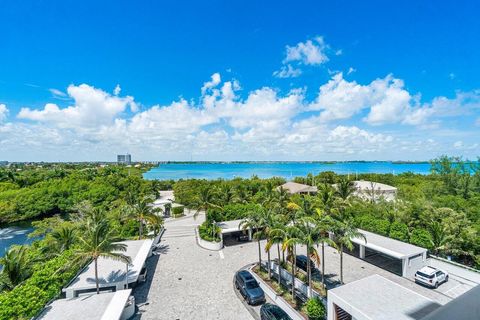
[189, 282]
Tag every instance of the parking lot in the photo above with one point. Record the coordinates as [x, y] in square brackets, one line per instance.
[188, 282]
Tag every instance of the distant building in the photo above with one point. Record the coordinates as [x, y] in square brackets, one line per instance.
[298, 188]
[124, 159]
[3, 163]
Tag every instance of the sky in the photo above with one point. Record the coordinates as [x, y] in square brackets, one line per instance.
[239, 80]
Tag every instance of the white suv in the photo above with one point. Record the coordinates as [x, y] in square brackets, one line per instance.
[431, 276]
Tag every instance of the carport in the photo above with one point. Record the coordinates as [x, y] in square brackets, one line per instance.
[393, 255]
[231, 232]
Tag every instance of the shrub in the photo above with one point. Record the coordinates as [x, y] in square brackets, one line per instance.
[231, 212]
[399, 231]
[177, 211]
[376, 225]
[421, 237]
[209, 232]
[27, 299]
[315, 309]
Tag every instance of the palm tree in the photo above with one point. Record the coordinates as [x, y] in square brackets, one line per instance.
[289, 244]
[255, 222]
[308, 234]
[64, 237]
[143, 213]
[98, 240]
[205, 200]
[325, 225]
[268, 219]
[345, 188]
[15, 267]
[440, 239]
[344, 232]
[242, 195]
[225, 194]
[326, 196]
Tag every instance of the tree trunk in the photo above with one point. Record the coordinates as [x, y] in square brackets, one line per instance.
[259, 255]
[96, 275]
[309, 274]
[269, 266]
[278, 249]
[293, 276]
[323, 264]
[140, 229]
[341, 263]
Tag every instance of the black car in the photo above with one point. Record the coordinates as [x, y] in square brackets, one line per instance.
[272, 312]
[249, 288]
[302, 261]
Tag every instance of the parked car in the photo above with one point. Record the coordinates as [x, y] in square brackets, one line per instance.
[302, 261]
[431, 276]
[272, 312]
[249, 288]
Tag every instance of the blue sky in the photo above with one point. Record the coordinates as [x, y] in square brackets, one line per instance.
[311, 80]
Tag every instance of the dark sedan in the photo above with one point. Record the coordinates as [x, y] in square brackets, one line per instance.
[272, 312]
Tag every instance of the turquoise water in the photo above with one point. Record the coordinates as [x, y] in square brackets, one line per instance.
[287, 170]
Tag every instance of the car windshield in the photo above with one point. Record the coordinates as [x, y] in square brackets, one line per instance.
[279, 314]
[425, 275]
[251, 284]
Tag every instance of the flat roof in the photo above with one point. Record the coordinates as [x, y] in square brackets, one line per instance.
[367, 185]
[230, 226]
[107, 305]
[377, 298]
[111, 272]
[464, 307]
[388, 246]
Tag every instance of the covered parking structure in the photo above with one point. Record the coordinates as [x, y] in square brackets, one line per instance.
[398, 257]
[232, 232]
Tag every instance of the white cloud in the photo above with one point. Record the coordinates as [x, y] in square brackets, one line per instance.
[351, 70]
[340, 99]
[57, 93]
[117, 90]
[287, 72]
[3, 112]
[215, 81]
[310, 52]
[92, 107]
[261, 124]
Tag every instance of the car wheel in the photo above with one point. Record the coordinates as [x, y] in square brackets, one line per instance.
[436, 285]
[236, 285]
[249, 301]
[446, 278]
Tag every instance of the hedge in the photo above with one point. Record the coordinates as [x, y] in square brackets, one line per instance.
[28, 299]
[232, 212]
[177, 211]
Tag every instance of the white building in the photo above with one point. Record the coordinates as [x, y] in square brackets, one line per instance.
[298, 188]
[113, 275]
[399, 257]
[124, 159]
[377, 298]
[374, 191]
[117, 305]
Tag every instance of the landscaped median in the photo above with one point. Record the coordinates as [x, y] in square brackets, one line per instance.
[311, 308]
[209, 237]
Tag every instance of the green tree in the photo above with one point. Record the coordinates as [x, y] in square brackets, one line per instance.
[16, 267]
[99, 240]
[344, 232]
